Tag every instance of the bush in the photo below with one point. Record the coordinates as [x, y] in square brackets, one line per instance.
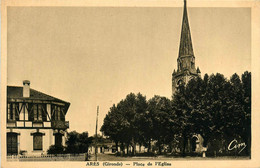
[54, 149]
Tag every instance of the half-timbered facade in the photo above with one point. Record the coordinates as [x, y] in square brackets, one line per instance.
[35, 120]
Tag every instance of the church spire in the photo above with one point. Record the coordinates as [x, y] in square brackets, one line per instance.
[186, 61]
[185, 42]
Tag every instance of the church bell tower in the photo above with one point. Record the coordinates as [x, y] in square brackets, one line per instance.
[186, 60]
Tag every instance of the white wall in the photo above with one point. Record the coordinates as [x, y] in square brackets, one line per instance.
[25, 140]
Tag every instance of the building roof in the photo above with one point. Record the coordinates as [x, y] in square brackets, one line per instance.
[185, 42]
[16, 92]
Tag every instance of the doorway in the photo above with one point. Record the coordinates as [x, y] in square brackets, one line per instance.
[12, 143]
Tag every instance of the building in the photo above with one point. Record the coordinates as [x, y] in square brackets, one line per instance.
[186, 59]
[35, 120]
[186, 71]
[108, 147]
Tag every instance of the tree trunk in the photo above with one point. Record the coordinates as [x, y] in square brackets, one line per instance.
[122, 147]
[159, 146]
[170, 148]
[127, 149]
[184, 146]
[134, 149]
[116, 146]
[149, 145]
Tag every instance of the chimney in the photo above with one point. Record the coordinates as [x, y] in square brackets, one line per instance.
[26, 88]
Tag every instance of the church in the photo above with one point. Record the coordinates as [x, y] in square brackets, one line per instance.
[186, 71]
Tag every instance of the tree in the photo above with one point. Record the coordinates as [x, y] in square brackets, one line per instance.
[198, 102]
[215, 108]
[84, 142]
[114, 125]
[140, 121]
[181, 110]
[246, 85]
[123, 123]
[72, 142]
[77, 143]
[160, 109]
[54, 149]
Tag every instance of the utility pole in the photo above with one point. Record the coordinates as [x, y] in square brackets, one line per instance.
[96, 134]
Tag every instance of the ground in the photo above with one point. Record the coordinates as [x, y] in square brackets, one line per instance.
[112, 157]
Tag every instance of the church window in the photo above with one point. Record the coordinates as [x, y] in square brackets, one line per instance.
[192, 64]
[180, 82]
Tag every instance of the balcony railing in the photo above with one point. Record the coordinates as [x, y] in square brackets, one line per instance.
[60, 124]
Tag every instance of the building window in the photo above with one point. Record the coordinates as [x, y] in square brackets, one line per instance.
[58, 113]
[37, 112]
[12, 143]
[37, 141]
[62, 115]
[12, 111]
[58, 139]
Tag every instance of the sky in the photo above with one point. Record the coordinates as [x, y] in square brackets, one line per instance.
[93, 56]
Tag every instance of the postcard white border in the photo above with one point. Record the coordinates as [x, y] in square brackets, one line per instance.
[255, 64]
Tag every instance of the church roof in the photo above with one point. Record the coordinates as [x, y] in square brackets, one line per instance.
[185, 42]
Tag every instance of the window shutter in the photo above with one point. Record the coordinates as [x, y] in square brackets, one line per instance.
[37, 141]
[30, 111]
[44, 111]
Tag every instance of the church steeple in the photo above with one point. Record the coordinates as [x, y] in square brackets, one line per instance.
[186, 60]
[185, 42]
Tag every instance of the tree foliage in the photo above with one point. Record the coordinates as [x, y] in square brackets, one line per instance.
[77, 142]
[214, 107]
